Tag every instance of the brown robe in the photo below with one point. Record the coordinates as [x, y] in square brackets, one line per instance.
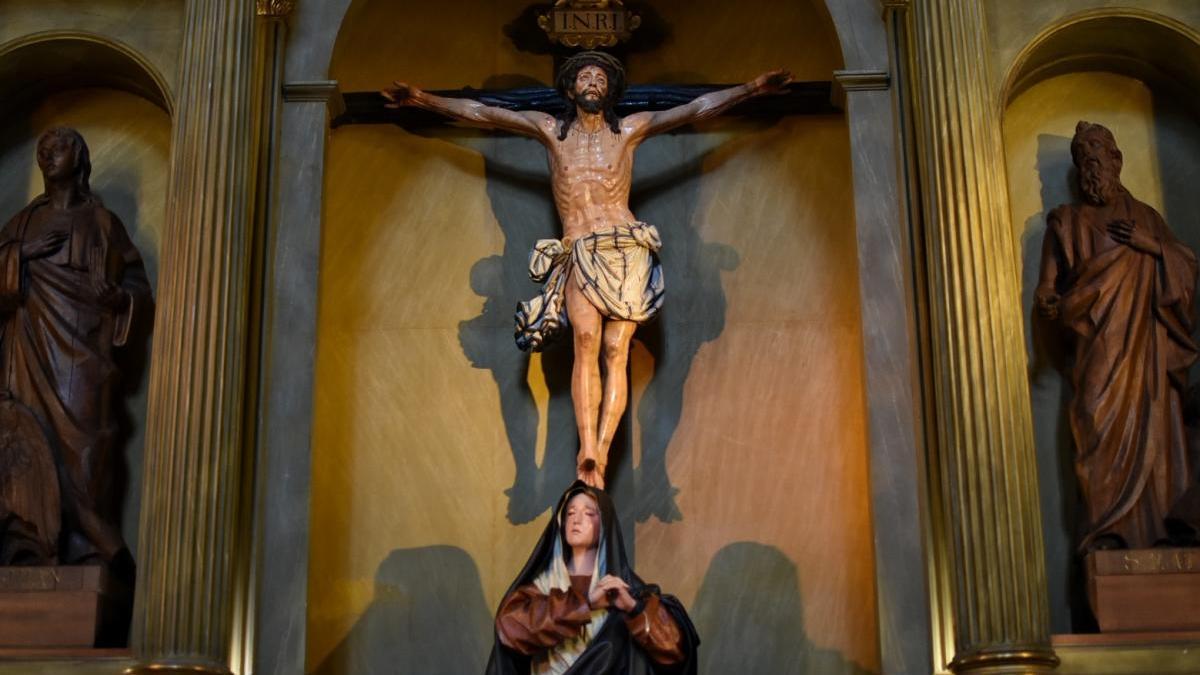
[530, 621]
[56, 341]
[1131, 315]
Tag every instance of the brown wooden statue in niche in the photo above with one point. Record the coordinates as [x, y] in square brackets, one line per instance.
[71, 283]
[604, 274]
[1122, 286]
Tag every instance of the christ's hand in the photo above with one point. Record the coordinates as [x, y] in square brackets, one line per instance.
[771, 82]
[400, 94]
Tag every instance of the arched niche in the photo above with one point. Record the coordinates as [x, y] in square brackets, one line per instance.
[424, 409]
[120, 103]
[1137, 73]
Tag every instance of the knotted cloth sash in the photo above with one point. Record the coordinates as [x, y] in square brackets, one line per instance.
[616, 268]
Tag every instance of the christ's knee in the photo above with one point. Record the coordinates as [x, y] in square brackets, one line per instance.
[587, 340]
[616, 352]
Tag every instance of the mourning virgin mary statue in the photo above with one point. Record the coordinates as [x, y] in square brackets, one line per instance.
[578, 608]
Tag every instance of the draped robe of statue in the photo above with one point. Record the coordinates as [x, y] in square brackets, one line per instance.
[1131, 317]
[548, 627]
[56, 341]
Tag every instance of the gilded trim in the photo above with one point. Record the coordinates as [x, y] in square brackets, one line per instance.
[275, 9]
[1030, 660]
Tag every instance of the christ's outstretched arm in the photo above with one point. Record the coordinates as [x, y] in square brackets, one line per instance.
[709, 105]
[526, 123]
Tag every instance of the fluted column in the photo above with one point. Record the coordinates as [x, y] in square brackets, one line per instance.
[982, 461]
[189, 562]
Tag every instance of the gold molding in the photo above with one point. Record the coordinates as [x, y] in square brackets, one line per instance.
[275, 9]
[1007, 660]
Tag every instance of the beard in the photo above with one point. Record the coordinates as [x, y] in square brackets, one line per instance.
[591, 106]
[1098, 182]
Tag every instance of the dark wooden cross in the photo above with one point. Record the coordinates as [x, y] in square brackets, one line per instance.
[801, 98]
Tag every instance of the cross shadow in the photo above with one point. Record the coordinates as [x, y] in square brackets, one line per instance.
[428, 616]
[750, 616]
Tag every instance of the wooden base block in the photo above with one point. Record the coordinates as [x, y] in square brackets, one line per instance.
[1145, 590]
[51, 607]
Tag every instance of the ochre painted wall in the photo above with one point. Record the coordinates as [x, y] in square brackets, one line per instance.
[438, 446]
[1161, 145]
[129, 139]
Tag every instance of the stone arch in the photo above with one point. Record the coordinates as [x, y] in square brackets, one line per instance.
[1145, 45]
[37, 65]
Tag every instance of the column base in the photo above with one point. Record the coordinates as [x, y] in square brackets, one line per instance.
[1019, 661]
[163, 667]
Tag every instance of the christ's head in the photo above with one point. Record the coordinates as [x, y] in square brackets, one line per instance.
[1096, 156]
[593, 83]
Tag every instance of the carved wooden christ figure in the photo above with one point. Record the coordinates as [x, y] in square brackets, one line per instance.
[71, 283]
[604, 274]
[1114, 276]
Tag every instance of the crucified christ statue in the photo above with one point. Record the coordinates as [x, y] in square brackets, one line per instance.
[604, 274]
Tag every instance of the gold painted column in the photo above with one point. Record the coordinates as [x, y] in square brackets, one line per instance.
[191, 560]
[986, 523]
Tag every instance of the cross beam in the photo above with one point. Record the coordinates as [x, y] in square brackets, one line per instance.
[801, 98]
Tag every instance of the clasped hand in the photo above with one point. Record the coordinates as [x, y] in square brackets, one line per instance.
[43, 246]
[1127, 232]
[611, 591]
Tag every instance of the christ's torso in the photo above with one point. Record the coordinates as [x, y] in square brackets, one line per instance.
[591, 174]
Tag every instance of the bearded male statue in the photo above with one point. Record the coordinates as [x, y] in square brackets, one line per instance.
[604, 274]
[1122, 286]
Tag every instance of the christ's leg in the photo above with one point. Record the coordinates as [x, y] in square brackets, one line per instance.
[586, 323]
[617, 335]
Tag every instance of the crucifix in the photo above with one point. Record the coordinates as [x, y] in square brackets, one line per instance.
[603, 278]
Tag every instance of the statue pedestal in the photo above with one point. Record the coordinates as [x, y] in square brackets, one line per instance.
[52, 606]
[1145, 590]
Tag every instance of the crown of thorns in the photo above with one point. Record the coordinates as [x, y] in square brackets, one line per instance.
[565, 82]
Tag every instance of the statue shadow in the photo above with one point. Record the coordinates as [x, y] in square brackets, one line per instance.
[750, 616]
[1048, 347]
[133, 360]
[428, 615]
[667, 172]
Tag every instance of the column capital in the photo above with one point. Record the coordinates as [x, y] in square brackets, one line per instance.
[275, 9]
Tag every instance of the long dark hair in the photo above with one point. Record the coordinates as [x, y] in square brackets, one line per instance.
[565, 84]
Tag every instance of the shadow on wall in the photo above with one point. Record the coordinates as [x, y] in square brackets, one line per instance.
[1050, 396]
[750, 617]
[518, 185]
[428, 616]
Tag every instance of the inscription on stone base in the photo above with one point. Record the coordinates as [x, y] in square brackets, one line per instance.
[51, 606]
[1145, 589]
